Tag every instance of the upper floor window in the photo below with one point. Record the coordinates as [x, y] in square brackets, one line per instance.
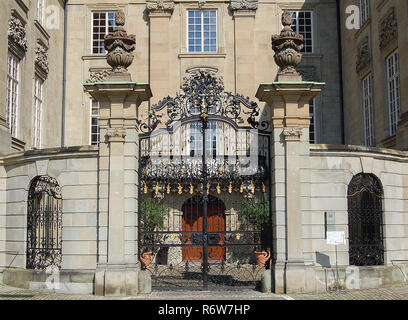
[103, 23]
[312, 128]
[393, 88]
[38, 102]
[195, 139]
[364, 11]
[40, 11]
[94, 123]
[202, 30]
[12, 87]
[302, 23]
[368, 111]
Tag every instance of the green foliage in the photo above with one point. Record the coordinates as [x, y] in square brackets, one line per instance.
[152, 214]
[255, 212]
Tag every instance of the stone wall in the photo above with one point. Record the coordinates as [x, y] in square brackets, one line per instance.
[76, 172]
[331, 170]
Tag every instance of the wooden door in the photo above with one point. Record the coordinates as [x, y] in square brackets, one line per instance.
[193, 221]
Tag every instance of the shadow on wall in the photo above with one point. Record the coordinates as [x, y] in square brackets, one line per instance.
[323, 259]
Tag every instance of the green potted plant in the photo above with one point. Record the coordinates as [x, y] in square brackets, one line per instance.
[152, 215]
[254, 214]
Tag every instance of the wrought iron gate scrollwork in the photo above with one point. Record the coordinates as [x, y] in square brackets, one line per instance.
[44, 224]
[365, 196]
[194, 175]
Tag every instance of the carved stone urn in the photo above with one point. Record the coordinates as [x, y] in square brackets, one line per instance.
[287, 46]
[120, 47]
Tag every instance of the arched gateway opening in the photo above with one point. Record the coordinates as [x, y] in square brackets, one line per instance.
[204, 188]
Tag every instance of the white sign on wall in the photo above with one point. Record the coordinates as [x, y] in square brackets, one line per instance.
[336, 237]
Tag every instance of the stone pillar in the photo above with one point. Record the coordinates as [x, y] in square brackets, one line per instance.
[117, 273]
[244, 20]
[290, 120]
[119, 98]
[159, 15]
[289, 99]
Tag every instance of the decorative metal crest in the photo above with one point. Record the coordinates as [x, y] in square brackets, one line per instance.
[203, 95]
[45, 184]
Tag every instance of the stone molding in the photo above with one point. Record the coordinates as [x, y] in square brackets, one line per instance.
[116, 134]
[98, 76]
[41, 59]
[17, 33]
[247, 5]
[388, 29]
[292, 134]
[363, 56]
[160, 7]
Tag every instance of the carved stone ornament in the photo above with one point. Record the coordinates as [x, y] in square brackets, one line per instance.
[120, 46]
[41, 58]
[201, 4]
[363, 56]
[292, 134]
[116, 134]
[98, 76]
[287, 46]
[389, 29]
[244, 5]
[17, 33]
[308, 73]
[160, 6]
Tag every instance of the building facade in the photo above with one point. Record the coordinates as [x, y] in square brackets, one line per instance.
[374, 69]
[164, 142]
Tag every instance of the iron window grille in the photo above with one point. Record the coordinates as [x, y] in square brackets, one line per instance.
[302, 23]
[103, 23]
[393, 86]
[202, 31]
[368, 111]
[12, 97]
[44, 224]
[38, 103]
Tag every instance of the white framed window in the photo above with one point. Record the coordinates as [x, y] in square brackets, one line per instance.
[393, 89]
[368, 112]
[94, 123]
[202, 31]
[195, 139]
[302, 23]
[364, 11]
[38, 103]
[312, 128]
[103, 23]
[40, 11]
[13, 74]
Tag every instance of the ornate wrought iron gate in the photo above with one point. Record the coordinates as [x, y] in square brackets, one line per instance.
[204, 204]
[365, 221]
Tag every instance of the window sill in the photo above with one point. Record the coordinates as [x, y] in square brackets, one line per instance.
[389, 142]
[202, 55]
[17, 144]
[312, 55]
[94, 57]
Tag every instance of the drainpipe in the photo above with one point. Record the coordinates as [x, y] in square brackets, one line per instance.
[64, 74]
[340, 59]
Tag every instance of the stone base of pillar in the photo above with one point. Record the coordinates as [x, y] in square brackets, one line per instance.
[117, 280]
[294, 277]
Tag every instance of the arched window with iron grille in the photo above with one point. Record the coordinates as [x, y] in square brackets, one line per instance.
[365, 222]
[44, 223]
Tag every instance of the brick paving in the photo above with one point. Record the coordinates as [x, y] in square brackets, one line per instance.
[390, 293]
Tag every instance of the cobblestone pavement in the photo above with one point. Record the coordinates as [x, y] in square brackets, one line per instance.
[390, 293]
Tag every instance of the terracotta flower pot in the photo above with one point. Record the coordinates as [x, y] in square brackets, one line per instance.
[145, 258]
[262, 257]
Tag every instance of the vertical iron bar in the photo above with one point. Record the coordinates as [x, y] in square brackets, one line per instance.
[205, 198]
